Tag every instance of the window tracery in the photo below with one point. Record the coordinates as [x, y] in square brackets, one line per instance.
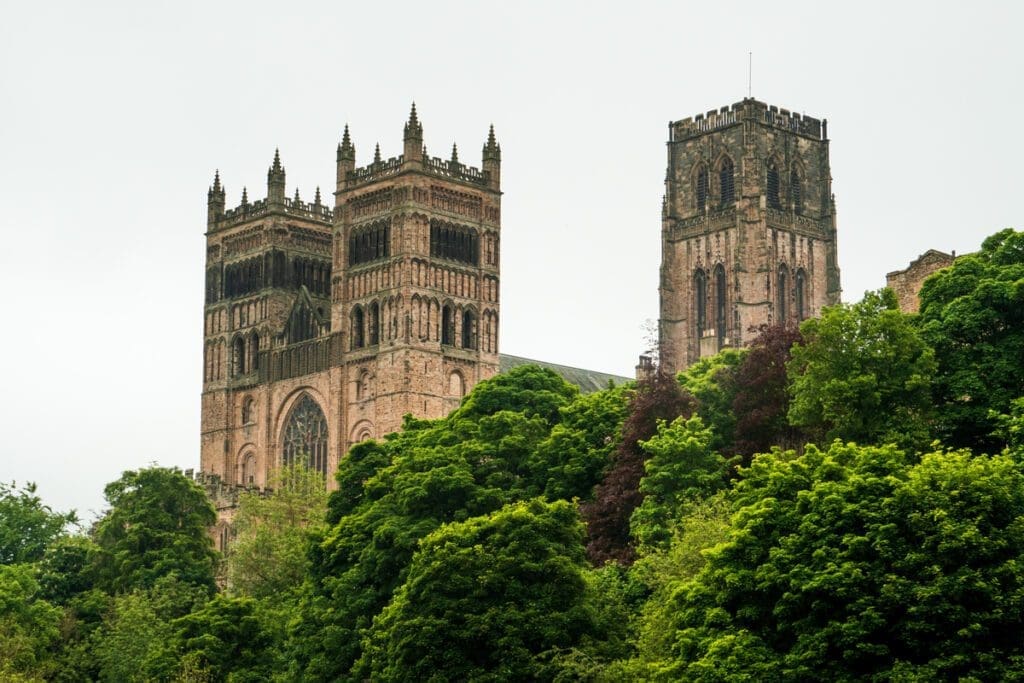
[305, 436]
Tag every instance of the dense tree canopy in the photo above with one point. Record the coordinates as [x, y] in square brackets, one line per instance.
[863, 374]
[26, 525]
[490, 598]
[973, 315]
[157, 525]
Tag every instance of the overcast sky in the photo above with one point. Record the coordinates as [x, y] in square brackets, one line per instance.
[115, 115]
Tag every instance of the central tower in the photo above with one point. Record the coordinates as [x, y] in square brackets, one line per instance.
[416, 279]
[748, 232]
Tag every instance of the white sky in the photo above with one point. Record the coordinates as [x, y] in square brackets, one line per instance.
[113, 117]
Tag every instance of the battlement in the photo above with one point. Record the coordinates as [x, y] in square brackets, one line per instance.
[747, 109]
[248, 210]
[434, 165]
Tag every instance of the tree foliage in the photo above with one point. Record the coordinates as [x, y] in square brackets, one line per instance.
[761, 399]
[863, 374]
[856, 563]
[29, 626]
[490, 598]
[712, 382]
[972, 313]
[269, 555]
[658, 397]
[157, 526]
[27, 526]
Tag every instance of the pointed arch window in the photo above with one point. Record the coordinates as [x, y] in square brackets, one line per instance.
[720, 296]
[373, 325]
[727, 183]
[702, 189]
[248, 474]
[358, 328]
[238, 356]
[781, 292]
[248, 411]
[796, 192]
[774, 201]
[254, 351]
[447, 326]
[800, 285]
[469, 336]
[700, 301]
[305, 436]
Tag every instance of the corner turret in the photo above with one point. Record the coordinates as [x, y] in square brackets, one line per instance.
[215, 200]
[413, 139]
[492, 160]
[346, 159]
[275, 182]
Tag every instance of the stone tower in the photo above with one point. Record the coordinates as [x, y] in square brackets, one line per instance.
[323, 327]
[748, 228]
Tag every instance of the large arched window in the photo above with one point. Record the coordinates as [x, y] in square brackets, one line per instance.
[726, 183]
[248, 410]
[720, 296]
[305, 436]
[702, 188]
[447, 326]
[801, 278]
[774, 201]
[469, 335]
[796, 192]
[700, 301]
[358, 328]
[781, 292]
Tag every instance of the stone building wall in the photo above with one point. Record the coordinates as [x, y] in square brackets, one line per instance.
[907, 283]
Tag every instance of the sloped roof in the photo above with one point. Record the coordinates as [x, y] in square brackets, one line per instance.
[588, 381]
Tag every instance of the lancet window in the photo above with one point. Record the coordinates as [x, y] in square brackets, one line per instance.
[726, 183]
[720, 295]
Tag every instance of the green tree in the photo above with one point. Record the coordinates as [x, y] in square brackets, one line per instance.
[269, 556]
[712, 383]
[226, 638]
[157, 526]
[490, 598]
[29, 626]
[854, 563]
[972, 313]
[136, 641]
[680, 469]
[396, 492]
[27, 526]
[863, 374]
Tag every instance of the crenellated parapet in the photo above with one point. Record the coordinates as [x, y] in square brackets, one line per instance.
[752, 110]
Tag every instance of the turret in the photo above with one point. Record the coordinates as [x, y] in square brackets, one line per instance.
[346, 159]
[413, 139]
[492, 160]
[275, 182]
[215, 200]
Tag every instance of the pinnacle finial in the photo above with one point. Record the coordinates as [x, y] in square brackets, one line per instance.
[455, 153]
[412, 115]
[316, 200]
[245, 196]
[491, 142]
[345, 140]
[376, 154]
[297, 199]
[216, 181]
[277, 160]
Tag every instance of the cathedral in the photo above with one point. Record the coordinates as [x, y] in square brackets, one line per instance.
[326, 323]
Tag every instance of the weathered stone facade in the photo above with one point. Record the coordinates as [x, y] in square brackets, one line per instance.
[748, 228]
[907, 283]
[324, 326]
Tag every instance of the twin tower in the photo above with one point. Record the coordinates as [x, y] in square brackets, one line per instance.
[326, 323]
